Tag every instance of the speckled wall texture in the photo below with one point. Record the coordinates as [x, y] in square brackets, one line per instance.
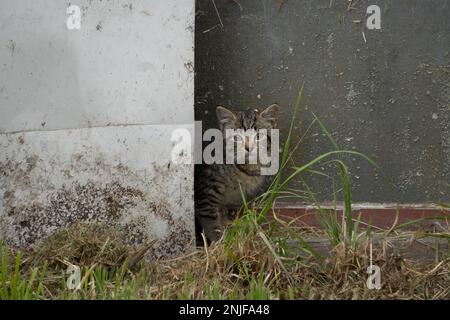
[383, 92]
[87, 116]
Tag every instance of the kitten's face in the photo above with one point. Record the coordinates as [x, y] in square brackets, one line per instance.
[248, 124]
[248, 119]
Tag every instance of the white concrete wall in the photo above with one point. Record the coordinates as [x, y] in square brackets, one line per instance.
[86, 117]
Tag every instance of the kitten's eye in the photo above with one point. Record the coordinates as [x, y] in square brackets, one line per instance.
[260, 136]
[238, 139]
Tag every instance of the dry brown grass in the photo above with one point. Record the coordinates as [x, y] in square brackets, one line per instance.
[249, 267]
[80, 244]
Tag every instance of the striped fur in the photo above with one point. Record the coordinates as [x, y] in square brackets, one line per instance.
[218, 185]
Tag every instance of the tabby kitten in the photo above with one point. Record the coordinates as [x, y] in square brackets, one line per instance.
[218, 185]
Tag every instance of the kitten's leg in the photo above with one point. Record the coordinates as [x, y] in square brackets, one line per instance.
[210, 220]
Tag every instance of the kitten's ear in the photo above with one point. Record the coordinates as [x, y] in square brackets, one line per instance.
[270, 115]
[225, 117]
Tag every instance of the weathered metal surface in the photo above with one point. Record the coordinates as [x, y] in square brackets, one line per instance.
[86, 118]
[384, 93]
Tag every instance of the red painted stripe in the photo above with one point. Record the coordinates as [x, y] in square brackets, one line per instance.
[378, 216]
